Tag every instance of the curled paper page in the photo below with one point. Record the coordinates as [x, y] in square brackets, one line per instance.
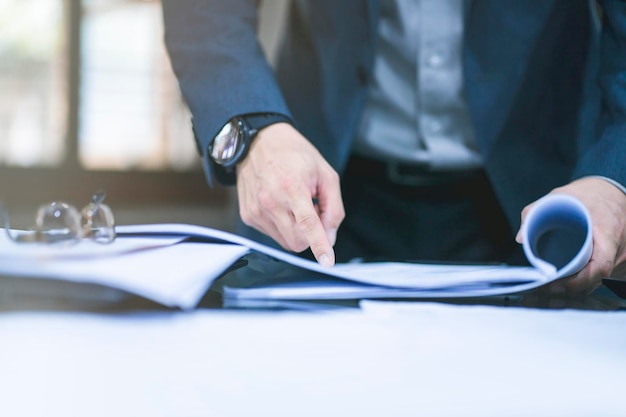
[557, 235]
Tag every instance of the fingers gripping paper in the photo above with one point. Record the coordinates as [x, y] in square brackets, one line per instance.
[557, 235]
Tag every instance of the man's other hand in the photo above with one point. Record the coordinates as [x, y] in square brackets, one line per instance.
[606, 204]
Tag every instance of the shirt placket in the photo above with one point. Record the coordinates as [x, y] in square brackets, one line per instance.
[439, 76]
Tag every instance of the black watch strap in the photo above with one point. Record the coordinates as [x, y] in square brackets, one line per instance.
[254, 122]
[258, 121]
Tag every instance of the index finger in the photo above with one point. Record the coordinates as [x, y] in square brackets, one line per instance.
[310, 225]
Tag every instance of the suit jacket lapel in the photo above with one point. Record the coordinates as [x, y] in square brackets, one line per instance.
[499, 39]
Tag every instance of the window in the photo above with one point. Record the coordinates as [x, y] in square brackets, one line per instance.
[33, 111]
[89, 101]
[131, 114]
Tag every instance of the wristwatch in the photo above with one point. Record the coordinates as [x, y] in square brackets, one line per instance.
[230, 146]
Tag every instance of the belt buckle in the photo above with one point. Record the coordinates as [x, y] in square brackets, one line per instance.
[397, 177]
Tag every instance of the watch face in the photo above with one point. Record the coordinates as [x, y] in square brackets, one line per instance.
[226, 144]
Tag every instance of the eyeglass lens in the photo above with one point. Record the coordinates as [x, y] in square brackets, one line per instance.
[58, 221]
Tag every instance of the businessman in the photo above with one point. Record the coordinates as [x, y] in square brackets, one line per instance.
[420, 129]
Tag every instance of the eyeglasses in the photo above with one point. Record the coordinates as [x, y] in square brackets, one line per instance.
[61, 222]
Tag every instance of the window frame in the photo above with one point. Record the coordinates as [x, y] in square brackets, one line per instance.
[73, 182]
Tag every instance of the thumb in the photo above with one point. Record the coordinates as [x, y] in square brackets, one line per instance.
[330, 206]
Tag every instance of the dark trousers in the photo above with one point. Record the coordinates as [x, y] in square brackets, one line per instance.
[455, 221]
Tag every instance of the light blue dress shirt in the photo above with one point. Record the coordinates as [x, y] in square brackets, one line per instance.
[416, 112]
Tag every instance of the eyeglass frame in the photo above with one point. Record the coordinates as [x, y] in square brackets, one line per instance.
[83, 226]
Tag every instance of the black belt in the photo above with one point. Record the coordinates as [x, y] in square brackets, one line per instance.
[409, 175]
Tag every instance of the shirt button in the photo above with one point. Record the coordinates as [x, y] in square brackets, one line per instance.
[434, 126]
[434, 60]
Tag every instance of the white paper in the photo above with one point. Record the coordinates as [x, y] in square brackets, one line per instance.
[397, 275]
[562, 213]
[557, 212]
[11, 251]
[162, 269]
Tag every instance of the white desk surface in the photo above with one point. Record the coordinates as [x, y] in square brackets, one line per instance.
[421, 359]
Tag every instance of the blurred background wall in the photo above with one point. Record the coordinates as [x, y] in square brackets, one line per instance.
[88, 101]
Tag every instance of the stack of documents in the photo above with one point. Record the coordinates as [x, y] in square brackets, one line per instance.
[175, 264]
[164, 269]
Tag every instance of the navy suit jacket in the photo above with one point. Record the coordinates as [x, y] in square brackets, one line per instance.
[532, 72]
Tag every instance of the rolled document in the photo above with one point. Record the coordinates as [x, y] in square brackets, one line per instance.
[557, 235]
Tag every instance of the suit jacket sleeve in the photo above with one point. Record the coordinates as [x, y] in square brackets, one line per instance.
[219, 63]
[607, 157]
